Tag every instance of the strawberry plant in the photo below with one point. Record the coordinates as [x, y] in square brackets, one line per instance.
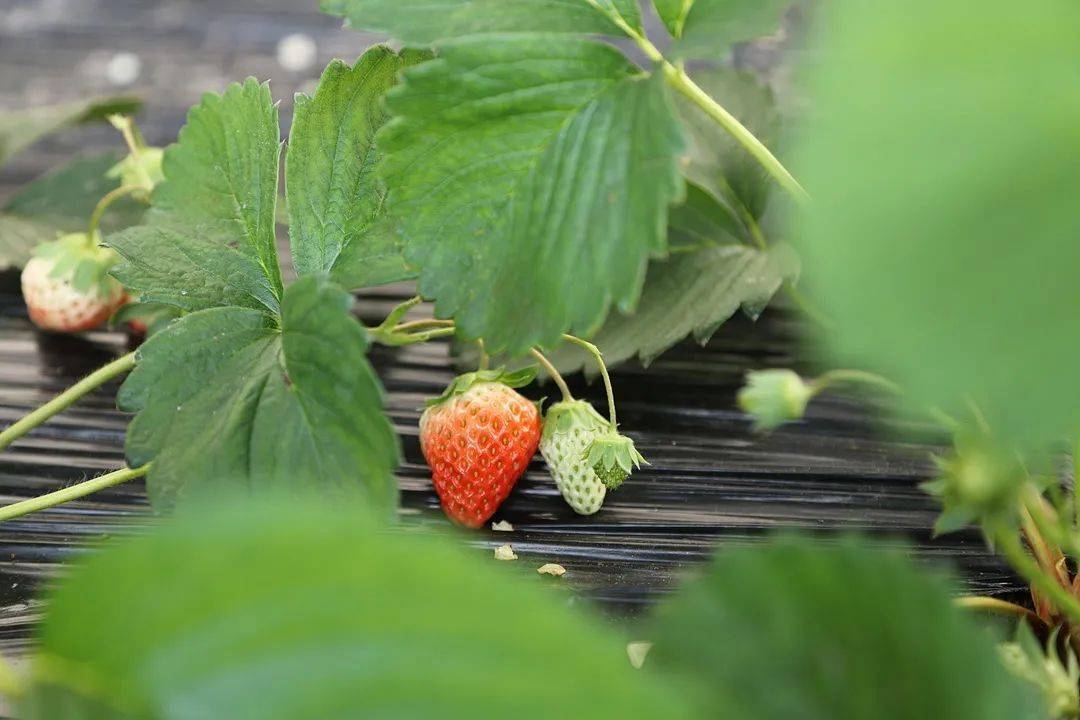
[389, 175]
[541, 186]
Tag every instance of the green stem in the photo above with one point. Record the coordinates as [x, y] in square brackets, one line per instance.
[862, 377]
[598, 356]
[103, 204]
[485, 359]
[677, 78]
[682, 82]
[418, 324]
[66, 399]
[73, 492]
[554, 374]
[1009, 544]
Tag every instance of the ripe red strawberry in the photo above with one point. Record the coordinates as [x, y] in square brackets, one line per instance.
[66, 285]
[478, 438]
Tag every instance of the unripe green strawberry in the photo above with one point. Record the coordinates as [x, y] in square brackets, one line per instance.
[478, 438]
[570, 427]
[613, 457]
[67, 287]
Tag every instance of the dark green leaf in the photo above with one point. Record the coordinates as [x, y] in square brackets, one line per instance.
[702, 221]
[673, 14]
[21, 128]
[711, 27]
[717, 162]
[308, 610]
[61, 202]
[221, 177]
[940, 239]
[531, 174]
[189, 271]
[335, 200]
[227, 400]
[375, 261]
[806, 630]
[690, 293]
[422, 22]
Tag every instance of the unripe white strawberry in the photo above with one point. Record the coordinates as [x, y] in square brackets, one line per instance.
[570, 427]
[66, 285]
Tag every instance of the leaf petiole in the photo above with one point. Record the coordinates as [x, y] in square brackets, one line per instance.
[66, 399]
[74, 492]
[678, 79]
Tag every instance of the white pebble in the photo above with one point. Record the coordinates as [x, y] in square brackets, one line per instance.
[551, 569]
[296, 52]
[502, 526]
[505, 552]
[636, 652]
[123, 68]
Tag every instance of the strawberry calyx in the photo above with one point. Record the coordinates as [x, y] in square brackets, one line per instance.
[462, 383]
[568, 415]
[613, 457]
[79, 259]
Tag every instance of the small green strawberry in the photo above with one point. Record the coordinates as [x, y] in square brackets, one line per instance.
[141, 169]
[613, 457]
[570, 427]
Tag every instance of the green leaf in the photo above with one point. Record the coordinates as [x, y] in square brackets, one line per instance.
[673, 14]
[801, 629]
[711, 27]
[221, 177]
[21, 128]
[228, 400]
[718, 163]
[190, 272]
[940, 236]
[335, 200]
[531, 173]
[308, 610]
[702, 221]
[690, 293]
[61, 202]
[423, 22]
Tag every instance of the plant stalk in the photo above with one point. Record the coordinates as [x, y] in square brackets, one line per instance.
[103, 204]
[677, 78]
[599, 357]
[554, 374]
[862, 377]
[66, 399]
[74, 492]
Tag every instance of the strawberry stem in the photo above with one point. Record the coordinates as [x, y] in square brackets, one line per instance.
[598, 356]
[66, 399]
[485, 359]
[554, 374]
[103, 204]
[74, 492]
